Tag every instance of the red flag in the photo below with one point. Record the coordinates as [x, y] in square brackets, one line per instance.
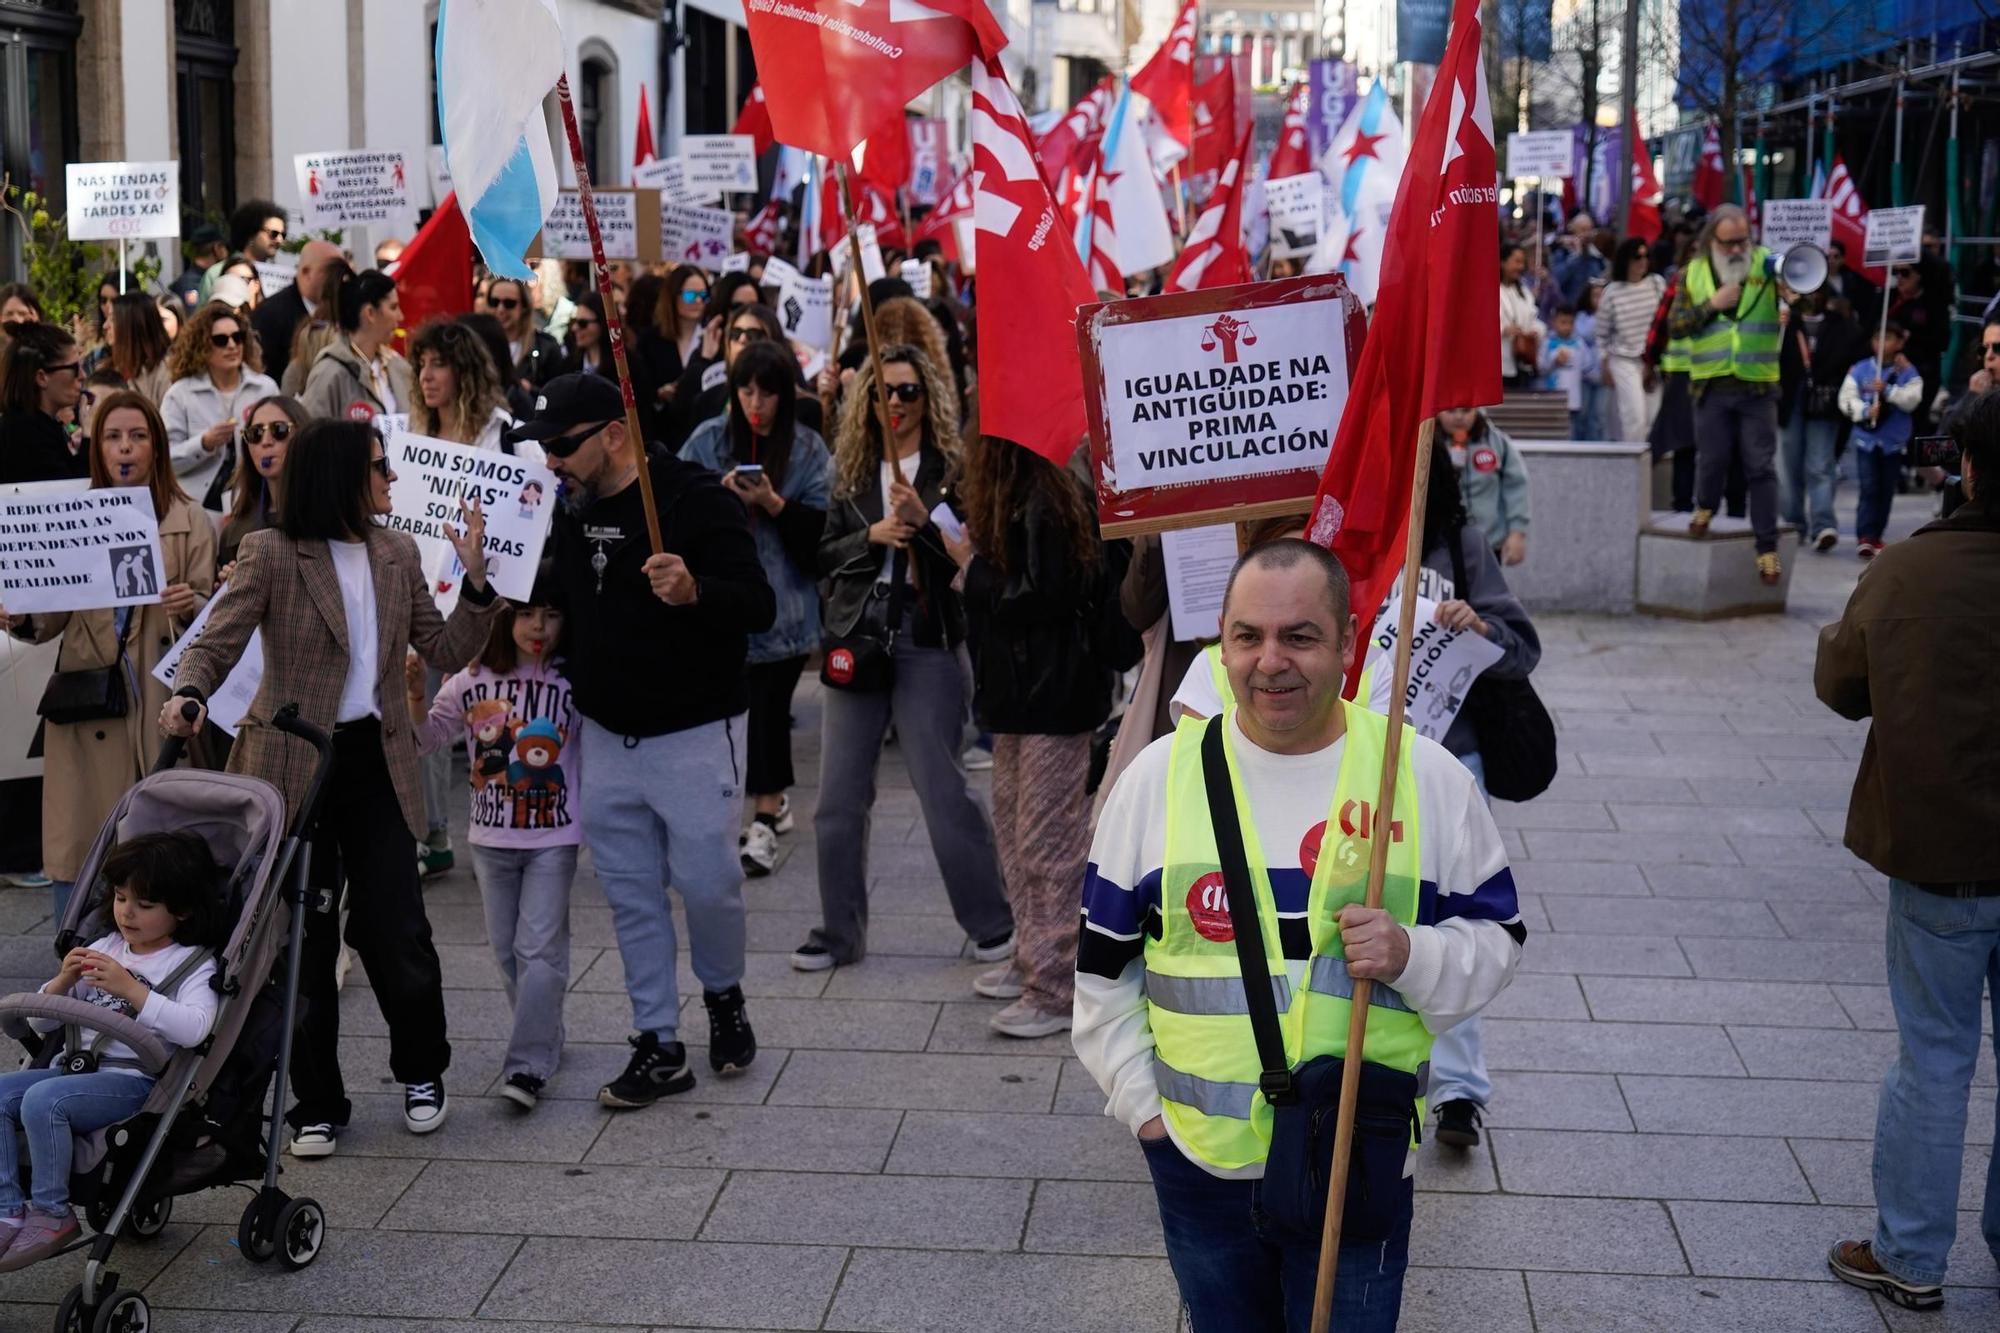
[1293, 155]
[761, 233]
[1215, 255]
[941, 223]
[1031, 283]
[1708, 174]
[642, 150]
[885, 163]
[851, 65]
[1167, 81]
[871, 205]
[755, 120]
[1643, 220]
[1214, 127]
[1431, 345]
[1749, 192]
[1057, 148]
[434, 274]
[1850, 219]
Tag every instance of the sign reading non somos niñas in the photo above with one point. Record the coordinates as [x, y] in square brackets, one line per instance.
[109, 201]
[369, 187]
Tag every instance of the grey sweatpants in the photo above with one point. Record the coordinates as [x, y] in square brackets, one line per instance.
[526, 892]
[928, 703]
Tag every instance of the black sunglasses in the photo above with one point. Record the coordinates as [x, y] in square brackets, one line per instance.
[906, 393]
[748, 333]
[503, 302]
[225, 339]
[562, 446]
[67, 365]
[381, 465]
[1991, 349]
[277, 430]
[583, 323]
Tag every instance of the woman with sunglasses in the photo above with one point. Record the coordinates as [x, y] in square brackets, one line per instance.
[338, 600]
[254, 498]
[882, 549]
[41, 380]
[359, 376]
[217, 372]
[586, 345]
[705, 396]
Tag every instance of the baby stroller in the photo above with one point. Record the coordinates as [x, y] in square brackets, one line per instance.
[204, 1124]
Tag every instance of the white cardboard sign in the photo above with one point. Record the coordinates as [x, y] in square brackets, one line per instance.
[1894, 236]
[518, 497]
[79, 551]
[726, 162]
[805, 308]
[274, 278]
[366, 188]
[872, 267]
[109, 201]
[918, 274]
[737, 263]
[565, 234]
[1443, 665]
[1790, 222]
[1298, 212]
[669, 175]
[229, 703]
[777, 271]
[1540, 153]
[1198, 563]
[692, 234]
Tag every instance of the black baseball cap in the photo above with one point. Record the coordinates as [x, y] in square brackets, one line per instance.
[569, 401]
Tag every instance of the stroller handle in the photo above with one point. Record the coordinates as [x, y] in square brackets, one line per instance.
[175, 746]
[288, 720]
[16, 1010]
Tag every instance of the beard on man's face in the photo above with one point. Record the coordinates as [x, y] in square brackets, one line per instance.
[1729, 267]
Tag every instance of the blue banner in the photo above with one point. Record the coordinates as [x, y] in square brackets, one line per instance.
[1526, 32]
[1421, 29]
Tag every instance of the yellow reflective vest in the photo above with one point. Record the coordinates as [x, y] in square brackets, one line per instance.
[1742, 343]
[1205, 1051]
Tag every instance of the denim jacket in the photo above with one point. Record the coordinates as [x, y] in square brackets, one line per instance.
[785, 544]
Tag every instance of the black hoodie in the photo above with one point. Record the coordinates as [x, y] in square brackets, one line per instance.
[637, 666]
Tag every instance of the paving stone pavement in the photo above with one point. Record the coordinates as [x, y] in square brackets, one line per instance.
[1686, 1072]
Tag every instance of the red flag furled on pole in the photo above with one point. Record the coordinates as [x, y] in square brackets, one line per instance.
[1643, 220]
[434, 273]
[871, 206]
[1430, 345]
[1850, 219]
[761, 233]
[1167, 80]
[642, 149]
[755, 120]
[1215, 255]
[885, 162]
[851, 65]
[1030, 283]
[1709, 178]
[1214, 128]
[1293, 155]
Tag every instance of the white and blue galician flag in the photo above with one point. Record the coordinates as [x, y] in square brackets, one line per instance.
[496, 62]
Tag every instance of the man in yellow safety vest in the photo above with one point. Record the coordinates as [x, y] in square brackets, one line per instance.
[1162, 1015]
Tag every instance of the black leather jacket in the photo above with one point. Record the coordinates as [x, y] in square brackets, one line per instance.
[849, 564]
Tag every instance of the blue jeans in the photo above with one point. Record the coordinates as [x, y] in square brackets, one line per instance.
[1240, 1273]
[53, 1108]
[1877, 472]
[1941, 952]
[663, 810]
[1805, 474]
[526, 892]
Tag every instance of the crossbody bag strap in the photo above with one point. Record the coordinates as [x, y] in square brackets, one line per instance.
[1245, 921]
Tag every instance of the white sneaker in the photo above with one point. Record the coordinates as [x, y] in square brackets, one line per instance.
[996, 950]
[341, 966]
[1000, 983]
[1021, 1019]
[312, 1141]
[785, 822]
[977, 759]
[1827, 539]
[760, 850]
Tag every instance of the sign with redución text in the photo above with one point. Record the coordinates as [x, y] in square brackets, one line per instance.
[369, 187]
[111, 201]
[518, 497]
[79, 550]
[1215, 406]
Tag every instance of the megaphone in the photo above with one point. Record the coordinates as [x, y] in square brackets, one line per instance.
[1801, 268]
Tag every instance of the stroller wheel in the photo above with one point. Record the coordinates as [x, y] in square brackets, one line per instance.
[124, 1312]
[69, 1314]
[149, 1219]
[257, 1233]
[301, 1232]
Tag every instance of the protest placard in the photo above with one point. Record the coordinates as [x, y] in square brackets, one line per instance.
[669, 175]
[1198, 562]
[79, 551]
[232, 699]
[1298, 212]
[518, 497]
[777, 272]
[1790, 222]
[691, 234]
[872, 267]
[737, 263]
[1443, 665]
[726, 162]
[25, 669]
[392, 423]
[369, 187]
[1893, 236]
[805, 308]
[918, 274]
[1541, 154]
[110, 201]
[565, 234]
[274, 278]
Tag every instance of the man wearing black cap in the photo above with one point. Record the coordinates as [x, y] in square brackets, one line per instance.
[207, 246]
[656, 648]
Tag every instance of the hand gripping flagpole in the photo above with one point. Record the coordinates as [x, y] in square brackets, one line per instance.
[1378, 865]
[614, 323]
[868, 320]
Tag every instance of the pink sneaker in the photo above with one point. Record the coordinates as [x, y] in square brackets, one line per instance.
[41, 1235]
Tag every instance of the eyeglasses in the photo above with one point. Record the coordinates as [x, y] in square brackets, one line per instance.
[689, 296]
[380, 462]
[275, 233]
[562, 446]
[75, 366]
[583, 324]
[749, 333]
[221, 340]
[906, 393]
[1733, 242]
[276, 430]
[1990, 349]
[503, 302]
[1906, 273]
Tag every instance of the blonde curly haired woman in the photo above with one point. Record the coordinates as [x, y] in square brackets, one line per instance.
[459, 394]
[885, 568]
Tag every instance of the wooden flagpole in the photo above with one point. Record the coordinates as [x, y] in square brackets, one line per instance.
[1378, 865]
[868, 321]
[614, 323]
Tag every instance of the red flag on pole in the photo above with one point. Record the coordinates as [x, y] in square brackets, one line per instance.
[1708, 174]
[1643, 220]
[1215, 255]
[851, 65]
[1167, 81]
[755, 120]
[761, 233]
[1431, 344]
[642, 150]
[885, 162]
[1293, 155]
[434, 274]
[1850, 219]
[1030, 283]
[1057, 148]
[1214, 126]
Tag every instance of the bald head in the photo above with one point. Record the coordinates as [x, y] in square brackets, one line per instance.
[1287, 641]
[1299, 556]
[313, 260]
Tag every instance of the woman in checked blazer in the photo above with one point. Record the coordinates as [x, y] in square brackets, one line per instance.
[339, 601]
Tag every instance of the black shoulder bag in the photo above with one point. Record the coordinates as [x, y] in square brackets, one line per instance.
[863, 660]
[94, 694]
[1517, 738]
[1305, 1102]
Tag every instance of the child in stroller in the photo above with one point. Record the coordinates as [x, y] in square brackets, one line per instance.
[154, 967]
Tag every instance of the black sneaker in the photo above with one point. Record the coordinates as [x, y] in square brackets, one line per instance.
[524, 1090]
[1458, 1124]
[655, 1071]
[424, 1107]
[731, 1043]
